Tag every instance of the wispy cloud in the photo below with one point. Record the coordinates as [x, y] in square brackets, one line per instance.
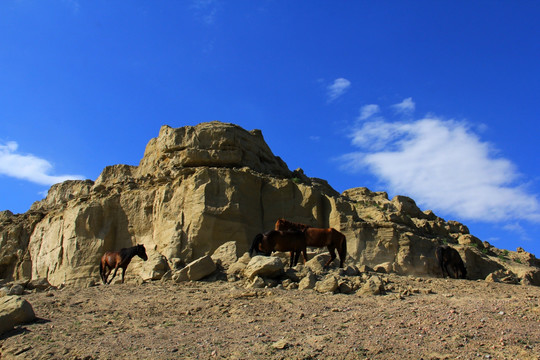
[443, 165]
[368, 111]
[407, 106]
[206, 10]
[337, 88]
[73, 4]
[518, 229]
[28, 167]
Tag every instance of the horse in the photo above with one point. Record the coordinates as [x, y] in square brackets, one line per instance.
[319, 237]
[274, 240]
[449, 257]
[119, 259]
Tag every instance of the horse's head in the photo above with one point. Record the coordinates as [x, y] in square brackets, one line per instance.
[259, 245]
[141, 252]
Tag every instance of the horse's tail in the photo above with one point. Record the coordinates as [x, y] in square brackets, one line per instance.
[343, 252]
[101, 269]
[255, 244]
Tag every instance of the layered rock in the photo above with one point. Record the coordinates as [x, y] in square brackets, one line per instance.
[199, 187]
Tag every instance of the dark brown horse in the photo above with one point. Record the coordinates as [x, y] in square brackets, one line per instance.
[119, 259]
[292, 241]
[319, 237]
[449, 258]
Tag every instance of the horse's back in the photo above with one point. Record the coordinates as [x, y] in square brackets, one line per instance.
[323, 236]
[109, 258]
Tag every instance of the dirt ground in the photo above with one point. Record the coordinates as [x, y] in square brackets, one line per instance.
[436, 319]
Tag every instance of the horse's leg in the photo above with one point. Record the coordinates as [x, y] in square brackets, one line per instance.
[296, 257]
[445, 271]
[114, 274]
[106, 273]
[102, 270]
[455, 271]
[123, 273]
[342, 251]
[332, 251]
[304, 253]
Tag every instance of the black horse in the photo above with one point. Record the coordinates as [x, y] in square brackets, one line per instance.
[274, 240]
[448, 257]
[119, 259]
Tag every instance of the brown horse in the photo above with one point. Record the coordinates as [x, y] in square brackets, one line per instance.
[319, 237]
[292, 241]
[119, 259]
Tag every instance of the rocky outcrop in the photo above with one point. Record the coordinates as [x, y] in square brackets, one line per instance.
[200, 187]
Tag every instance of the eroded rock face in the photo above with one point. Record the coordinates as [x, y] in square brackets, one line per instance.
[199, 187]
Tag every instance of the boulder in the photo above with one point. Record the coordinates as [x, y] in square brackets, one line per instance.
[373, 286]
[267, 266]
[257, 283]
[384, 268]
[225, 255]
[14, 311]
[327, 284]
[316, 264]
[40, 284]
[4, 291]
[470, 240]
[154, 268]
[196, 270]
[16, 289]
[308, 282]
[504, 276]
[345, 286]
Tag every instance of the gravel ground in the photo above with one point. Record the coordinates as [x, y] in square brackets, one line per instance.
[417, 318]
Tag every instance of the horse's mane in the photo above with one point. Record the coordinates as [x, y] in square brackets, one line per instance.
[291, 225]
[131, 251]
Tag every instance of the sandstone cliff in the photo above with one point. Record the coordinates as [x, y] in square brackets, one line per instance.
[198, 187]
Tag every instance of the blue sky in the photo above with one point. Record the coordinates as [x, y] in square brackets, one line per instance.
[436, 100]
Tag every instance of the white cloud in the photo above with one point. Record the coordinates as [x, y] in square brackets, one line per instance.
[407, 106]
[368, 111]
[338, 88]
[443, 165]
[518, 229]
[28, 167]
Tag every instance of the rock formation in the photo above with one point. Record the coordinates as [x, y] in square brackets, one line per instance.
[199, 187]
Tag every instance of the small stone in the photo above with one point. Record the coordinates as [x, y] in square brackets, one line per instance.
[280, 344]
[16, 290]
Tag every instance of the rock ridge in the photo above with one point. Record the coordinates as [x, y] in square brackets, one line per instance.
[199, 187]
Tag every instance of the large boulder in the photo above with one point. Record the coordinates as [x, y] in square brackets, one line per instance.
[264, 266]
[14, 311]
[226, 254]
[328, 284]
[196, 270]
[152, 269]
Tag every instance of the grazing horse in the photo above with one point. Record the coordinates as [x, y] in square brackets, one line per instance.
[293, 241]
[119, 259]
[319, 237]
[449, 257]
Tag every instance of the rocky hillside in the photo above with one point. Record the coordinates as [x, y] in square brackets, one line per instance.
[200, 187]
